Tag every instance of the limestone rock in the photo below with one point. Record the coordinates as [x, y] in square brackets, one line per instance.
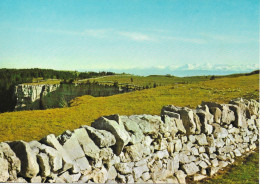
[181, 176]
[138, 171]
[219, 132]
[173, 164]
[178, 145]
[216, 114]
[145, 176]
[43, 160]
[161, 154]
[102, 138]
[4, 174]
[74, 150]
[14, 164]
[213, 170]
[228, 116]
[89, 147]
[135, 152]
[198, 177]
[111, 173]
[29, 165]
[202, 139]
[36, 179]
[180, 126]
[51, 140]
[124, 168]
[114, 125]
[100, 176]
[130, 178]
[187, 117]
[55, 158]
[133, 129]
[190, 168]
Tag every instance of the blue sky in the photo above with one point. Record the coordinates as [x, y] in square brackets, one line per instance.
[139, 35]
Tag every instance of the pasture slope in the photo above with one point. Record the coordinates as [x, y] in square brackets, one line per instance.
[32, 125]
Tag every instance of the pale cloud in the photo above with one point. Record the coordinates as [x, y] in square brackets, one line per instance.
[187, 40]
[227, 38]
[136, 36]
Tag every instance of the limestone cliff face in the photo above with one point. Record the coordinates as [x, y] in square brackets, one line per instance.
[45, 96]
[26, 95]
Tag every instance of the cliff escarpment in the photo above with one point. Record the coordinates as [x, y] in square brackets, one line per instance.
[180, 144]
[44, 96]
[27, 95]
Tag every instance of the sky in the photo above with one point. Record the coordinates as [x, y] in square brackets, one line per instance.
[138, 36]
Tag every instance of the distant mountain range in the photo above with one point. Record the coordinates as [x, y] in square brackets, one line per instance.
[187, 70]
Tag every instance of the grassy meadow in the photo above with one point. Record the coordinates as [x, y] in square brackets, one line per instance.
[30, 125]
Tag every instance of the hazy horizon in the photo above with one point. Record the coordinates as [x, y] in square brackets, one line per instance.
[139, 37]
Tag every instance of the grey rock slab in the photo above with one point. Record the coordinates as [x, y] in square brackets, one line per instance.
[29, 165]
[190, 168]
[51, 140]
[111, 173]
[178, 145]
[4, 174]
[43, 160]
[130, 179]
[180, 126]
[14, 164]
[138, 171]
[114, 125]
[213, 170]
[202, 139]
[161, 154]
[203, 164]
[55, 158]
[219, 132]
[74, 150]
[135, 152]
[237, 153]
[181, 176]
[100, 176]
[89, 147]
[36, 179]
[145, 176]
[102, 138]
[131, 126]
[173, 164]
[198, 177]
[125, 168]
[228, 116]
[187, 116]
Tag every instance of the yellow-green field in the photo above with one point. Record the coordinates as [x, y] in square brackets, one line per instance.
[29, 125]
[148, 80]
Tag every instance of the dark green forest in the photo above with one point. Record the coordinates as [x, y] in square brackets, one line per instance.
[11, 77]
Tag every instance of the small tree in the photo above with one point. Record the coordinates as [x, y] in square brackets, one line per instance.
[132, 80]
[115, 84]
[212, 77]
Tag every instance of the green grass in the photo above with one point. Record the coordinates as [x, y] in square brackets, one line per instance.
[244, 171]
[149, 80]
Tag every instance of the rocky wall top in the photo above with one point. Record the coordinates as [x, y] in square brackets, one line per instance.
[180, 144]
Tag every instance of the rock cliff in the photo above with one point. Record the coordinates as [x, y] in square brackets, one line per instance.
[26, 94]
[31, 97]
[181, 143]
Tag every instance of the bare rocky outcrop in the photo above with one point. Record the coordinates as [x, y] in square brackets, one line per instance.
[181, 143]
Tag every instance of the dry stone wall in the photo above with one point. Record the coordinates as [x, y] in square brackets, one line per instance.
[181, 143]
